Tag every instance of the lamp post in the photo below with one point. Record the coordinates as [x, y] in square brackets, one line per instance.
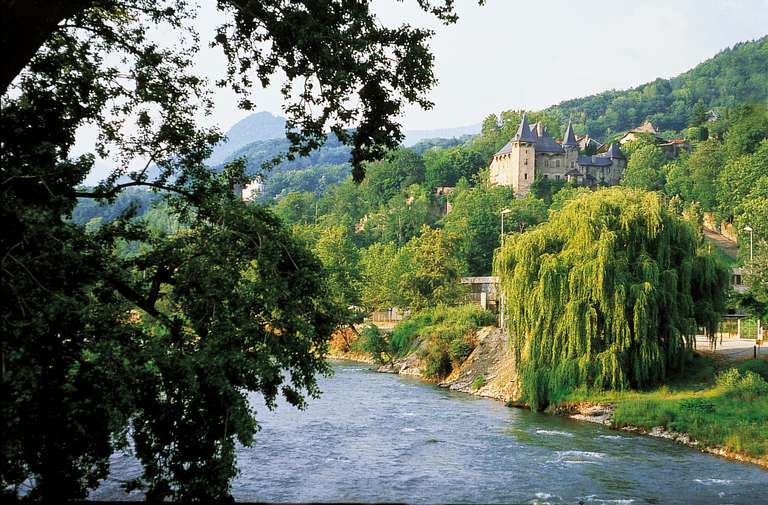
[746, 228]
[503, 213]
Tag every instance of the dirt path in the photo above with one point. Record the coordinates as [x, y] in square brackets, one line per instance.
[727, 245]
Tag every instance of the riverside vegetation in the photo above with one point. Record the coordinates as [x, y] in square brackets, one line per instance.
[144, 326]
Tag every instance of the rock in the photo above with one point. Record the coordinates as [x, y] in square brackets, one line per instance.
[492, 360]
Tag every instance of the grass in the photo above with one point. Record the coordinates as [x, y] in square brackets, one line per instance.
[718, 407]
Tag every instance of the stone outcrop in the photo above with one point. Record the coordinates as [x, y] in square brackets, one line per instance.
[489, 370]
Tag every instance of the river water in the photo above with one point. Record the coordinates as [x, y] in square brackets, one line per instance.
[375, 437]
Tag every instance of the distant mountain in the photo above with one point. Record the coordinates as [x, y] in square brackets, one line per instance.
[261, 137]
[258, 126]
[733, 76]
[413, 137]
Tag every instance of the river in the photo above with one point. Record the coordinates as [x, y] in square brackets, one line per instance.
[375, 437]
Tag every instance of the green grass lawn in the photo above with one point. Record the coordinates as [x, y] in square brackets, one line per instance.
[717, 406]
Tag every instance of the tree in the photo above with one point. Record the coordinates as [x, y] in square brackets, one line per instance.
[382, 265]
[403, 216]
[161, 346]
[705, 163]
[444, 167]
[434, 272]
[738, 179]
[297, 207]
[756, 277]
[698, 115]
[387, 178]
[643, 169]
[609, 293]
[341, 260]
[475, 219]
[749, 128]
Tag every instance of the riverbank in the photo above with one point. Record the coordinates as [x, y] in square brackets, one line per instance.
[603, 414]
[693, 410]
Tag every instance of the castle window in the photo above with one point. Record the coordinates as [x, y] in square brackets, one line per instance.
[546, 176]
[572, 165]
[526, 161]
[557, 177]
[557, 163]
[526, 176]
[546, 163]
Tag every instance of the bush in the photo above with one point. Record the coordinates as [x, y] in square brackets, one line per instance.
[743, 385]
[447, 332]
[436, 362]
[758, 366]
[478, 382]
[460, 350]
[374, 343]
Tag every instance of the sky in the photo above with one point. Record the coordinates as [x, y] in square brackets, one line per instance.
[528, 54]
[512, 54]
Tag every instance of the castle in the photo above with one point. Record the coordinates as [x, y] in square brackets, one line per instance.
[532, 153]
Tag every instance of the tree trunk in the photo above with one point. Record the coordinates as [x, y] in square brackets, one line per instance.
[25, 25]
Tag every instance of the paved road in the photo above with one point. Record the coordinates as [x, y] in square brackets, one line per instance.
[731, 349]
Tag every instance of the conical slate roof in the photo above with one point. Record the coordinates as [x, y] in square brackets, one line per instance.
[524, 132]
[569, 139]
[614, 152]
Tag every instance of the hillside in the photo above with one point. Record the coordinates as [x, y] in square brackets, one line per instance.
[733, 76]
[255, 127]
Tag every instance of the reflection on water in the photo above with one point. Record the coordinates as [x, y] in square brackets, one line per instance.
[380, 437]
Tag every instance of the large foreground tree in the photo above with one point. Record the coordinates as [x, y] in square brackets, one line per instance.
[609, 293]
[101, 346]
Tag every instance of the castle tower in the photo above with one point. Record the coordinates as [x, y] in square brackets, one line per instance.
[571, 147]
[618, 163]
[514, 164]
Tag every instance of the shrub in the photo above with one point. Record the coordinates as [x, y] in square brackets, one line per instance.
[745, 385]
[758, 366]
[436, 362]
[478, 382]
[460, 349]
[374, 343]
[447, 332]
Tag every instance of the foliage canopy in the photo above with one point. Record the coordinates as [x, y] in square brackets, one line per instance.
[608, 293]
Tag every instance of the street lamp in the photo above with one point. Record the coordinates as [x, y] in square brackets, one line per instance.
[746, 228]
[503, 213]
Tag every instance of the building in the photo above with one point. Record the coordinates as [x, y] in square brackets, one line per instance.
[645, 129]
[483, 291]
[671, 148]
[533, 153]
[249, 192]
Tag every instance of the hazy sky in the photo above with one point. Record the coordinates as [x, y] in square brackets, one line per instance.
[512, 54]
[527, 54]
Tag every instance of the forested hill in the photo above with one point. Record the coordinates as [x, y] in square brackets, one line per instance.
[733, 76]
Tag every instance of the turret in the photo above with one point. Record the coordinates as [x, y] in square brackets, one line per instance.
[569, 139]
[524, 133]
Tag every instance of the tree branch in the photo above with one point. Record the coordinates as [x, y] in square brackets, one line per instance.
[114, 191]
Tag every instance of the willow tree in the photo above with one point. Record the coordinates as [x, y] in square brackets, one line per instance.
[609, 293]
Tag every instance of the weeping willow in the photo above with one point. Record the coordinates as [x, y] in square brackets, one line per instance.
[609, 293]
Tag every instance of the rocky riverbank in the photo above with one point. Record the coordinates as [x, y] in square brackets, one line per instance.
[603, 414]
[489, 371]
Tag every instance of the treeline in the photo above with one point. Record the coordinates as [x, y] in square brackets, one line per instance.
[734, 76]
[726, 172]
